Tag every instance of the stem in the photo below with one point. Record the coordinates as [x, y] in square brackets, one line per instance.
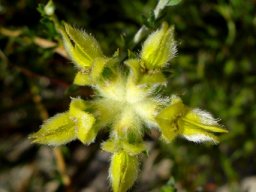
[44, 43]
[143, 31]
[62, 168]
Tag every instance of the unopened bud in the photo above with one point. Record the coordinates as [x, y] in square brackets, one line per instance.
[159, 48]
[123, 171]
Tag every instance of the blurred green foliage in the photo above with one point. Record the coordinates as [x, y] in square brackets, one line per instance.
[214, 69]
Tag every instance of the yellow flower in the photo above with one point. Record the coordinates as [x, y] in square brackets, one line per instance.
[65, 127]
[193, 124]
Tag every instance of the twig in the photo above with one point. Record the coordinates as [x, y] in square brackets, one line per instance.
[31, 74]
[143, 31]
[41, 42]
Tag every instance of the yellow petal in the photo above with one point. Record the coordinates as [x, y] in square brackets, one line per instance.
[82, 79]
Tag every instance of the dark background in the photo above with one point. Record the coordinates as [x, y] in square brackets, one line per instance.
[214, 70]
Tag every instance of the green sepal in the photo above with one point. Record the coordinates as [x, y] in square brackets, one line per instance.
[135, 68]
[116, 53]
[55, 131]
[174, 110]
[154, 78]
[110, 146]
[139, 74]
[82, 79]
[132, 149]
[84, 121]
[123, 171]
[98, 66]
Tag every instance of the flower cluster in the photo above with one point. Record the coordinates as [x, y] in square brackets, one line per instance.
[125, 102]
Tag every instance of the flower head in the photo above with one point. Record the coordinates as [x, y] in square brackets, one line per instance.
[125, 102]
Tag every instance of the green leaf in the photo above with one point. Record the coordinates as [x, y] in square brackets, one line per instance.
[135, 67]
[173, 2]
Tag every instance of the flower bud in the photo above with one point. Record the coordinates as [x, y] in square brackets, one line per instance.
[57, 130]
[123, 171]
[159, 48]
[49, 8]
[193, 124]
[81, 47]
